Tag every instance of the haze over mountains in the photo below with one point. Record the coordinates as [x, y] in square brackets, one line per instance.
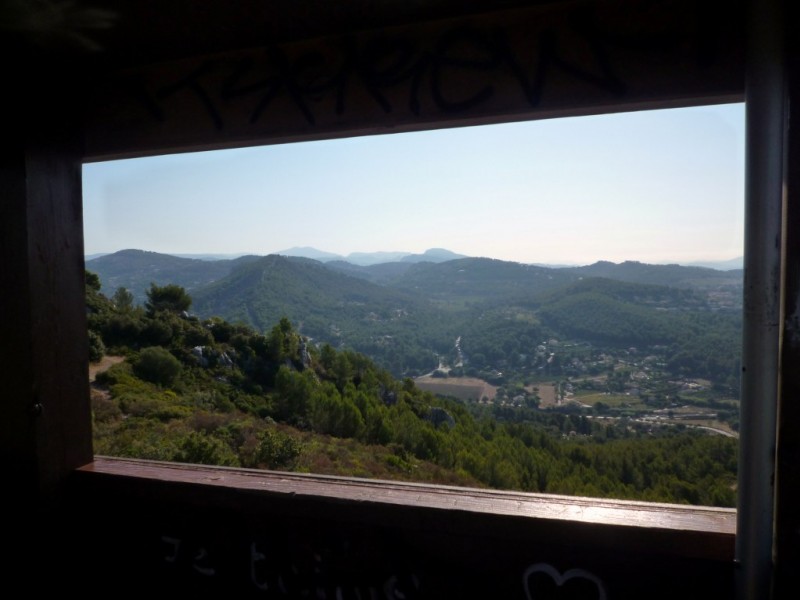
[365, 259]
[431, 255]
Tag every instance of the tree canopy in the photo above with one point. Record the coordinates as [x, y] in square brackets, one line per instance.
[172, 298]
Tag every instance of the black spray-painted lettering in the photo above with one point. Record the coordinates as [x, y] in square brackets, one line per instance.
[451, 73]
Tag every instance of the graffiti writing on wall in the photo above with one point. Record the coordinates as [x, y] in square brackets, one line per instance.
[320, 572]
[311, 572]
[548, 60]
[455, 70]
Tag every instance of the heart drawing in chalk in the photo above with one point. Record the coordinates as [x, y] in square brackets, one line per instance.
[545, 582]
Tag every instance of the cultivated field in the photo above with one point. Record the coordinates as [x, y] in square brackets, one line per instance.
[546, 393]
[463, 388]
[613, 400]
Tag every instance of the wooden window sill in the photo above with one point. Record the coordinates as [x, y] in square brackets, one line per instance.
[695, 532]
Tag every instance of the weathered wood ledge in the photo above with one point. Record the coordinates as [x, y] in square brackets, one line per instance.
[717, 523]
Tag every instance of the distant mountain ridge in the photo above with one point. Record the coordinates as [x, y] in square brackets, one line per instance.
[309, 252]
[137, 269]
[437, 273]
[733, 264]
[366, 259]
[671, 275]
[435, 255]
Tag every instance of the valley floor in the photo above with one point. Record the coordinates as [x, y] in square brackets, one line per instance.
[552, 397]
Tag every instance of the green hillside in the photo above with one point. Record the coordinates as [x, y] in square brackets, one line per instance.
[615, 312]
[380, 273]
[479, 279]
[399, 329]
[207, 391]
[303, 290]
[702, 342]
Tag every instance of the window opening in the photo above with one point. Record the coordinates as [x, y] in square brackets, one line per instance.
[549, 306]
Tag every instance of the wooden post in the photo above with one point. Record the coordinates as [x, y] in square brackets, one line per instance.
[787, 513]
[45, 423]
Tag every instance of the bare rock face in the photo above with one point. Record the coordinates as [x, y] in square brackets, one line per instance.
[305, 357]
[206, 356]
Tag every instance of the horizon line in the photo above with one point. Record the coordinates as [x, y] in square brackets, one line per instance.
[336, 256]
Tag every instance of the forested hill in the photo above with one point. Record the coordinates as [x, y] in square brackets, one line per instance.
[656, 296]
[610, 312]
[306, 292]
[477, 279]
[135, 270]
[669, 275]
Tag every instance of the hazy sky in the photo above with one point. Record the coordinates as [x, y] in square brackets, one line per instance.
[656, 186]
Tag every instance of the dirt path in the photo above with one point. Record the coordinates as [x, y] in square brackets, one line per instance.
[106, 363]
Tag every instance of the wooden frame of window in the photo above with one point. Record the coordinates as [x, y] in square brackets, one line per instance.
[198, 83]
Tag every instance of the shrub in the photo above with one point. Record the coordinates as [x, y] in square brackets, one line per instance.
[158, 366]
[276, 450]
[200, 448]
[195, 334]
[158, 331]
[104, 410]
[122, 329]
[96, 347]
[157, 407]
